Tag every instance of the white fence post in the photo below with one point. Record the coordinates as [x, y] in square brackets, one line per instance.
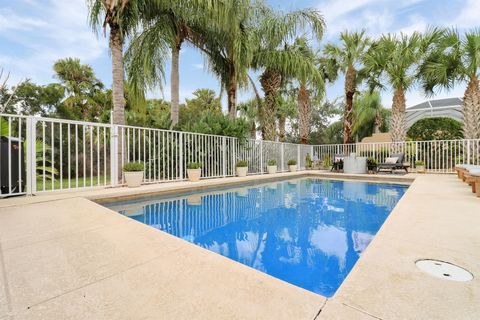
[282, 148]
[224, 157]
[114, 169]
[261, 156]
[468, 151]
[180, 154]
[31, 165]
[298, 156]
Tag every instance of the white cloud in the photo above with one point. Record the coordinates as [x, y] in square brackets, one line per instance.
[198, 66]
[469, 15]
[45, 33]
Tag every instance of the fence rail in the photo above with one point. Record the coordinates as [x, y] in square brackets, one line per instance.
[48, 154]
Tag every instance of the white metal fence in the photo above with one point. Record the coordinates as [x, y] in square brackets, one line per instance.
[47, 154]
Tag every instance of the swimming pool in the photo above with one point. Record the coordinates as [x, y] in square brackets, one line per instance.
[306, 231]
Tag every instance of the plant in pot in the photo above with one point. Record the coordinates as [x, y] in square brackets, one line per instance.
[194, 171]
[242, 168]
[133, 173]
[272, 166]
[420, 165]
[371, 164]
[308, 161]
[292, 165]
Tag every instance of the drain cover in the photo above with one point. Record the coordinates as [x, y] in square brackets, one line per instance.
[444, 270]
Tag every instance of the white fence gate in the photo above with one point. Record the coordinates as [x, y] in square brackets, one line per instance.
[49, 154]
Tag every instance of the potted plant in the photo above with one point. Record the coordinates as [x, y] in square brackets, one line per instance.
[133, 173]
[292, 165]
[194, 171]
[272, 166]
[308, 161]
[371, 164]
[420, 165]
[242, 168]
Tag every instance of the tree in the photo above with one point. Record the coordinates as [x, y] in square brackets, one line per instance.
[249, 111]
[278, 60]
[33, 99]
[455, 60]
[286, 108]
[439, 128]
[370, 115]
[396, 58]
[347, 58]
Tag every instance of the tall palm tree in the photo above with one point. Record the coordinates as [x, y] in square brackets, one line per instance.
[457, 60]
[280, 61]
[396, 58]
[370, 115]
[122, 17]
[168, 28]
[347, 58]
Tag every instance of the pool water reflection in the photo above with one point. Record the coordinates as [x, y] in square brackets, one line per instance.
[308, 232]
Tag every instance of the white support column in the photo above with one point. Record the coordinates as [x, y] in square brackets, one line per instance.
[468, 151]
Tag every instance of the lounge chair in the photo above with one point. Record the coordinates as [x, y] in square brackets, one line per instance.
[464, 168]
[337, 162]
[472, 177]
[394, 164]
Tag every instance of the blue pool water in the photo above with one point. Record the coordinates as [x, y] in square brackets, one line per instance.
[308, 232]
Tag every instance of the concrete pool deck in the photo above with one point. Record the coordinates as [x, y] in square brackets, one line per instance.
[64, 256]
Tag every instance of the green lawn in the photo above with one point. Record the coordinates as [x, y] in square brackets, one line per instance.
[56, 184]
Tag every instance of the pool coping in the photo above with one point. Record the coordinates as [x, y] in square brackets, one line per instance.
[360, 293]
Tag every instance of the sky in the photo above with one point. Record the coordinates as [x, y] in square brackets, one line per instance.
[35, 33]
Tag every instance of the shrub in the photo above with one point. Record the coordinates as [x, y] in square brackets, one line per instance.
[242, 163]
[419, 163]
[439, 128]
[133, 167]
[272, 162]
[327, 162]
[292, 162]
[194, 165]
[371, 162]
[308, 161]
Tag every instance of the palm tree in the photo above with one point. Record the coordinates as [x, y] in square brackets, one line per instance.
[249, 111]
[280, 61]
[370, 115]
[397, 58]
[346, 58]
[457, 59]
[122, 17]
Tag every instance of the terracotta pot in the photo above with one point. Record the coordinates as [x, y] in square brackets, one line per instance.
[293, 168]
[271, 169]
[133, 179]
[242, 171]
[194, 174]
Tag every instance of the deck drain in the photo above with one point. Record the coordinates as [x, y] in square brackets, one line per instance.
[444, 270]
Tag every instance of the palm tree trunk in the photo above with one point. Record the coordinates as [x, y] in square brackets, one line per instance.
[281, 128]
[378, 123]
[175, 82]
[304, 113]
[471, 109]
[350, 88]
[232, 92]
[253, 130]
[116, 46]
[270, 81]
[398, 124]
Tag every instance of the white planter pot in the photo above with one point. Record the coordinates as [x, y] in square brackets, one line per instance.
[271, 169]
[421, 169]
[133, 179]
[194, 174]
[293, 168]
[242, 171]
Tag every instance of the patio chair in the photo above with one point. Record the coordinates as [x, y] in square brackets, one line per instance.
[464, 168]
[472, 177]
[337, 162]
[394, 164]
